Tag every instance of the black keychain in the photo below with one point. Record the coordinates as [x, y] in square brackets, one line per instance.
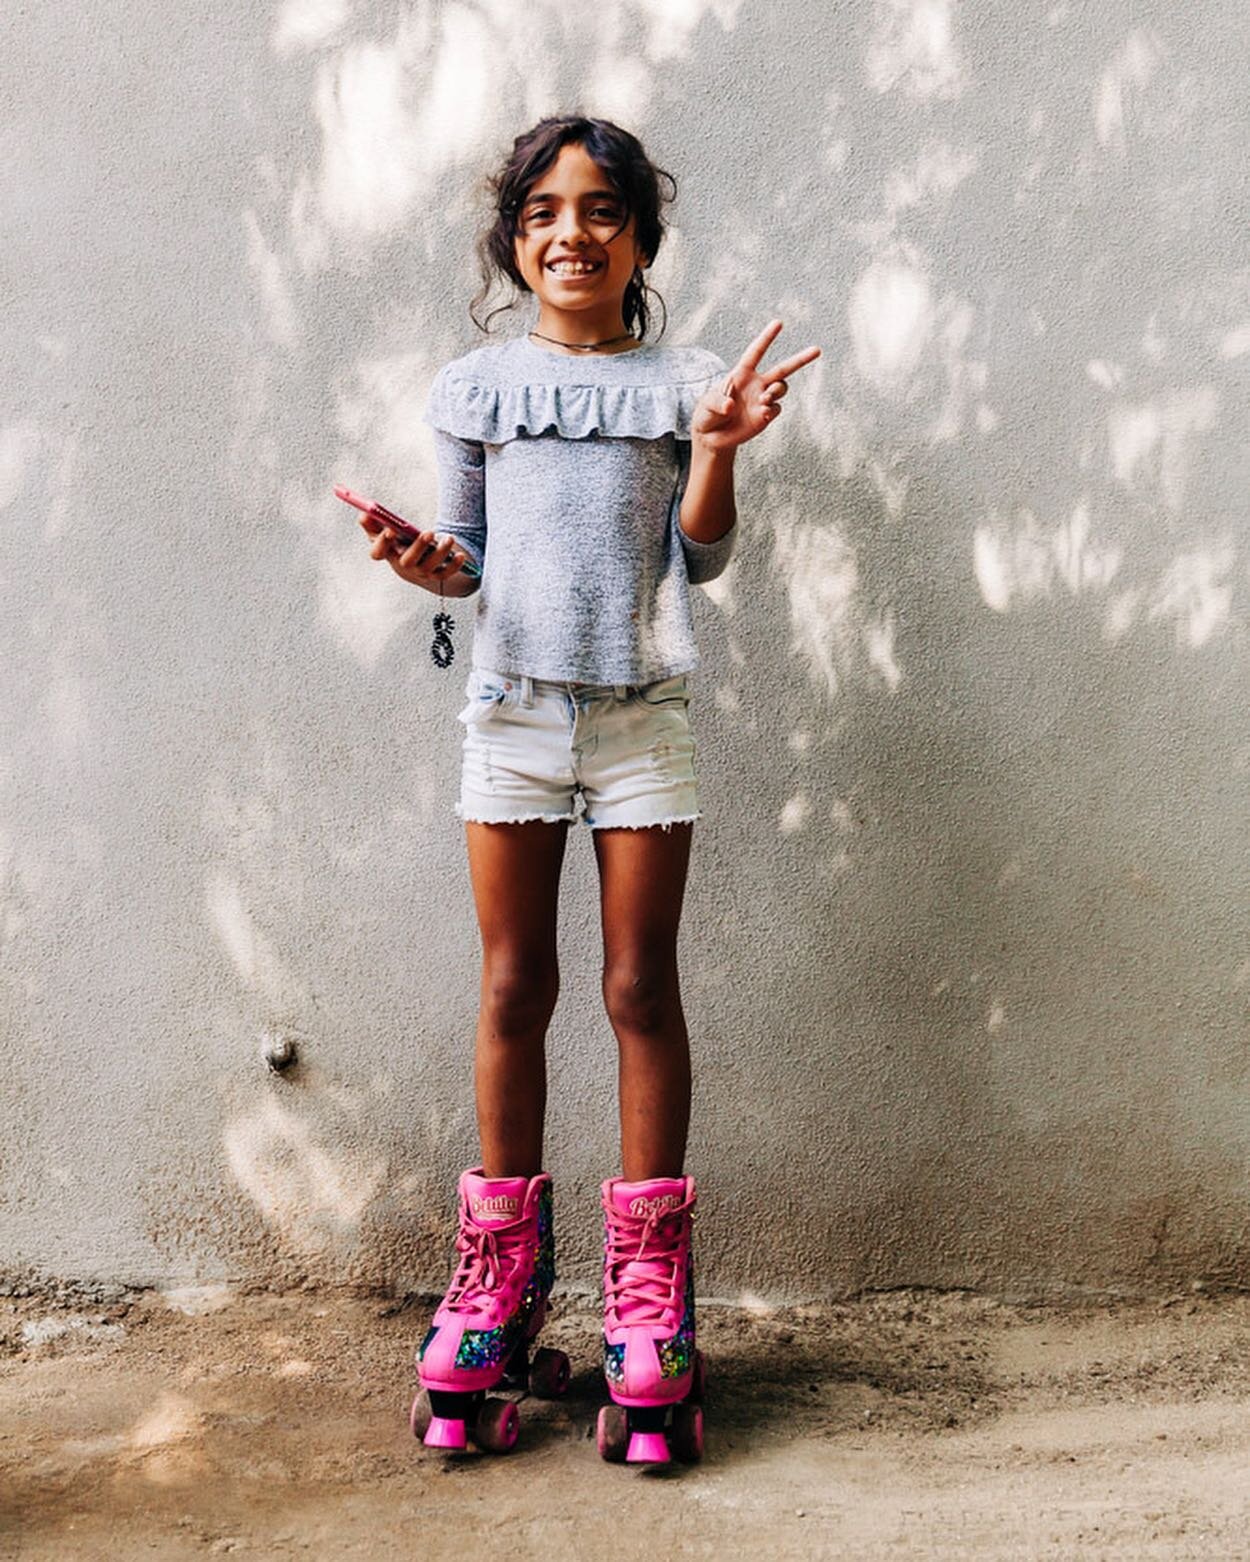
[442, 650]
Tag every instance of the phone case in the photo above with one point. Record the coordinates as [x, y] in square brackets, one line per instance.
[403, 529]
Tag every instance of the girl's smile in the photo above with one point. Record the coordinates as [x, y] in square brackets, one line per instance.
[571, 269]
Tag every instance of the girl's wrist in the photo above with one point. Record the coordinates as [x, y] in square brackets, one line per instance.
[457, 585]
[717, 454]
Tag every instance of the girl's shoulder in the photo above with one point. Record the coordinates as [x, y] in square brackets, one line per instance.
[495, 392]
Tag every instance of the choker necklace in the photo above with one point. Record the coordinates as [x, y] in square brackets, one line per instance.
[585, 347]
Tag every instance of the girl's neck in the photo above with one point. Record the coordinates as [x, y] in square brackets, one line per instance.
[582, 326]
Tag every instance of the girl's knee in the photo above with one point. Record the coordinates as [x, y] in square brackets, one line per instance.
[519, 998]
[642, 997]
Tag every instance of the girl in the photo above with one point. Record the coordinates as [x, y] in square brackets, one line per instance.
[588, 475]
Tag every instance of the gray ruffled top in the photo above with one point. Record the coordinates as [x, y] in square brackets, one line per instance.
[562, 478]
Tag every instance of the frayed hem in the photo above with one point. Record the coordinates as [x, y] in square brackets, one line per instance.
[520, 819]
[652, 824]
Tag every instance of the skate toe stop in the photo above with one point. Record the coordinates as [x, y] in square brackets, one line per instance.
[445, 1433]
[647, 1448]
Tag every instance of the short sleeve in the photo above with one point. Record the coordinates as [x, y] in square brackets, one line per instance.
[462, 492]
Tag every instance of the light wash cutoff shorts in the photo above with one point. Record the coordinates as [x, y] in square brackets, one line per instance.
[531, 745]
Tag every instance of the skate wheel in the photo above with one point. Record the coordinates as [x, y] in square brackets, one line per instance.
[698, 1386]
[549, 1374]
[496, 1426]
[686, 1434]
[612, 1433]
[420, 1414]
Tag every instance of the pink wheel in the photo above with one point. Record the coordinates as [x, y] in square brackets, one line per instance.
[613, 1433]
[686, 1436]
[496, 1426]
[698, 1386]
[419, 1415]
[549, 1374]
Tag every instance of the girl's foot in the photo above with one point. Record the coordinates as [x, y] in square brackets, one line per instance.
[494, 1307]
[650, 1362]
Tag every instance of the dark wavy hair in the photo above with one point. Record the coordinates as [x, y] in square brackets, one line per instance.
[628, 169]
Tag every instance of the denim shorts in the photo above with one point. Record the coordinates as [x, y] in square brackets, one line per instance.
[533, 745]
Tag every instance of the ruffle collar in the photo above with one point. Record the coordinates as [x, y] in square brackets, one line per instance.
[496, 393]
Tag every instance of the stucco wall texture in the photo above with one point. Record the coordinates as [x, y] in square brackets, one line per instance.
[966, 955]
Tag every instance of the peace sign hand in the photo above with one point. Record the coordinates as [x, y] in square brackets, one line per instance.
[750, 398]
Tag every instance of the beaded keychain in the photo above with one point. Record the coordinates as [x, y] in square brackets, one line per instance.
[442, 650]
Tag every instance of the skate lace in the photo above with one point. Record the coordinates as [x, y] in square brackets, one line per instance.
[644, 1256]
[487, 1255]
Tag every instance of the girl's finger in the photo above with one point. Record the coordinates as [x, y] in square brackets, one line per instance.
[437, 563]
[789, 365]
[418, 556]
[716, 407]
[750, 359]
[775, 390]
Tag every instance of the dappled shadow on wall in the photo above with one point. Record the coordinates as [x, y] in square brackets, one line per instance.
[1033, 332]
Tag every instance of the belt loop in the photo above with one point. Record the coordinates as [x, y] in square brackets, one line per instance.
[622, 690]
[527, 689]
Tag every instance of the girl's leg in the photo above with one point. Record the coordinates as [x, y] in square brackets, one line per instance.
[642, 878]
[515, 871]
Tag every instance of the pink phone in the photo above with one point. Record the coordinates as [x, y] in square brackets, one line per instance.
[403, 529]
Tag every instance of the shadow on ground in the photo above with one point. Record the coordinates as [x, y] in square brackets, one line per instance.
[904, 1424]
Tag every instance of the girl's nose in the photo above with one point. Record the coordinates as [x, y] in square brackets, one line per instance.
[571, 228]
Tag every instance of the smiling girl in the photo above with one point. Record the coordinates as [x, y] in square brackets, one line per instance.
[588, 474]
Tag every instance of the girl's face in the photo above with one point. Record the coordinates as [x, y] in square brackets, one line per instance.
[573, 215]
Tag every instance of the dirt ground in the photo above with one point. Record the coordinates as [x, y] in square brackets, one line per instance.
[910, 1424]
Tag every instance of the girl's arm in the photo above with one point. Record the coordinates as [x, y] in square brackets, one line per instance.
[708, 511]
[726, 417]
[461, 507]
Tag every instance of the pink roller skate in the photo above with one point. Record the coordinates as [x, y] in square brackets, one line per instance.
[654, 1373]
[496, 1303]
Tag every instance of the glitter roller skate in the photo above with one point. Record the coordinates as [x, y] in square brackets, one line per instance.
[480, 1336]
[654, 1373]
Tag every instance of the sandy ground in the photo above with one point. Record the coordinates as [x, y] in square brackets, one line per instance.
[908, 1424]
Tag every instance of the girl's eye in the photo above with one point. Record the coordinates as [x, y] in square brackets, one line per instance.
[542, 213]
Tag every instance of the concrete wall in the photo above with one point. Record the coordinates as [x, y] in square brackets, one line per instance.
[966, 950]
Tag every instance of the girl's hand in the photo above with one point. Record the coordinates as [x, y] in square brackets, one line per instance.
[441, 564]
[750, 398]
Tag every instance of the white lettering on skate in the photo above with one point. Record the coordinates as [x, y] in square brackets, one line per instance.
[661, 1206]
[496, 1204]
